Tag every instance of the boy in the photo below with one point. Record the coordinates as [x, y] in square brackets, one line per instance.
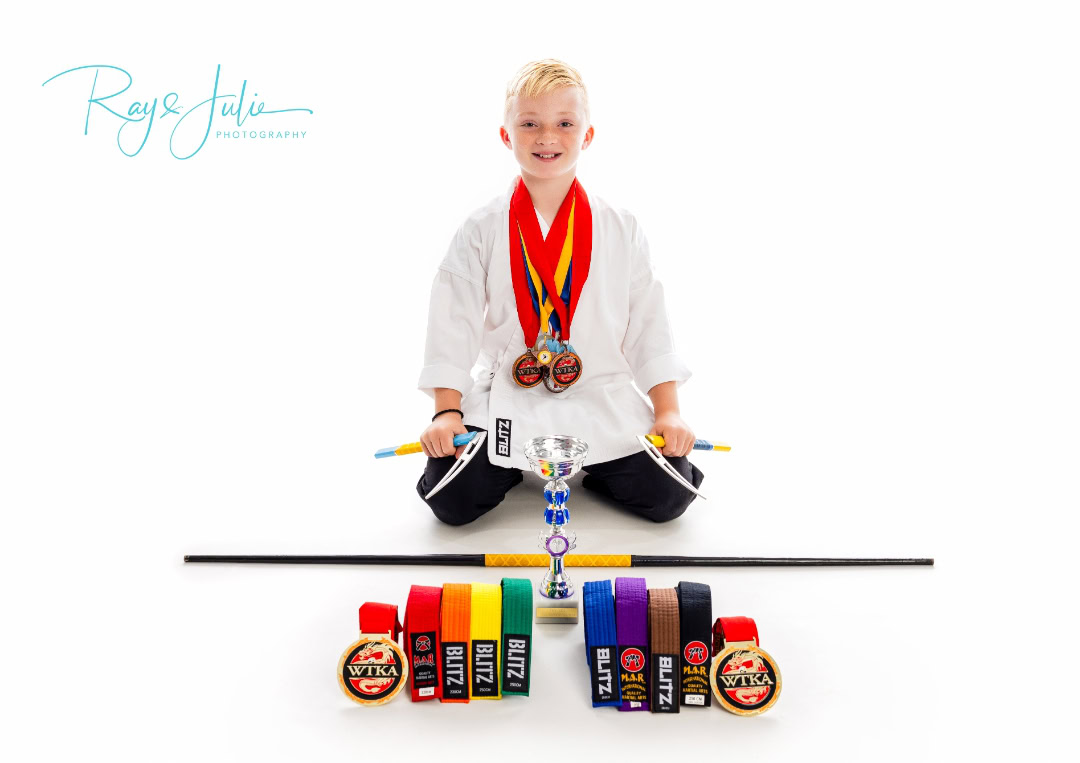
[546, 259]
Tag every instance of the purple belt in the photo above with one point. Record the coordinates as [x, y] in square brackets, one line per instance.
[632, 636]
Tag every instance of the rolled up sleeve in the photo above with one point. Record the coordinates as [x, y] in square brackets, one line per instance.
[648, 345]
[455, 318]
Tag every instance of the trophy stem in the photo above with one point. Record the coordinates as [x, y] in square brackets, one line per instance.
[556, 583]
[556, 457]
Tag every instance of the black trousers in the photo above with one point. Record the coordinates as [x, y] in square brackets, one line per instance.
[634, 482]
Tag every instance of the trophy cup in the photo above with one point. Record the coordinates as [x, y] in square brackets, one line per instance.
[556, 457]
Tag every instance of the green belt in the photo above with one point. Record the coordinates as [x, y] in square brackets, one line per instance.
[517, 601]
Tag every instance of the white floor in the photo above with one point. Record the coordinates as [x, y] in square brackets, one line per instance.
[248, 652]
[863, 215]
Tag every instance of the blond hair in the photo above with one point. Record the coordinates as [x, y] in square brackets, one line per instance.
[541, 77]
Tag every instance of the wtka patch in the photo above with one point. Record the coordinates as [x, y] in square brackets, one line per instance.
[372, 671]
[602, 673]
[633, 682]
[425, 673]
[745, 680]
[485, 682]
[665, 683]
[455, 677]
[516, 662]
[695, 674]
[502, 437]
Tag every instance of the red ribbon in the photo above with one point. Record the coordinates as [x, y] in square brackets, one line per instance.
[544, 255]
[733, 629]
[379, 619]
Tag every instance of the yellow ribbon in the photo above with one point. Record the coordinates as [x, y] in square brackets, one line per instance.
[561, 270]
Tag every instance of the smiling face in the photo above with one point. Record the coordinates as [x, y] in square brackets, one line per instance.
[547, 132]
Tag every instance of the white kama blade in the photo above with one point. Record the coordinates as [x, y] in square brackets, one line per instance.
[466, 455]
[670, 470]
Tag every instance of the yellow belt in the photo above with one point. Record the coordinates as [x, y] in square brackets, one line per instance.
[486, 625]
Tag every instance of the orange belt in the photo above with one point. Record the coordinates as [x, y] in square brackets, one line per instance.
[456, 615]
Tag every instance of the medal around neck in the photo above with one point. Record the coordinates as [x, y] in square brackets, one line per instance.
[564, 370]
[374, 668]
[745, 678]
[547, 275]
[551, 362]
[556, 457]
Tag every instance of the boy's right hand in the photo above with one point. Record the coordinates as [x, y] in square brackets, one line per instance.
[438, 439]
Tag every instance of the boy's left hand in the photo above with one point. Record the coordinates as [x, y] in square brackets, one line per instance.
[678, 439]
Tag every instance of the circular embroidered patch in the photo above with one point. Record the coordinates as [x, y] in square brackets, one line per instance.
[633, 659]
[696, 653]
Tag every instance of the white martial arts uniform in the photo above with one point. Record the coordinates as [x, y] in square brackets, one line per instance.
[620, 330]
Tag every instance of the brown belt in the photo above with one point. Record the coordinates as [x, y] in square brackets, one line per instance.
[664, 650]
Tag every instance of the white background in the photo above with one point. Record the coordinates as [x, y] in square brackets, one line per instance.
[865, 218]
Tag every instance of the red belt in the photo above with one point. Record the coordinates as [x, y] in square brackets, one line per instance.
[423, 643]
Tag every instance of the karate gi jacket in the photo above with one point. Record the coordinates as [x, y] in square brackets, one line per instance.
[620, 331]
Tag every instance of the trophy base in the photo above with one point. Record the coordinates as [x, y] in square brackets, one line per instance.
[557, 611]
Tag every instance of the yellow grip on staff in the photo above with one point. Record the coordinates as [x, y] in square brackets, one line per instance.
[659, 441]
[542, 560]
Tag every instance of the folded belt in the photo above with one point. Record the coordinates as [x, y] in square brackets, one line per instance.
[422, 641]
[695, 631]
[664, 650]
[516, 635]
[601, 649]
[456, 615]
[485, 626]
[632, 636]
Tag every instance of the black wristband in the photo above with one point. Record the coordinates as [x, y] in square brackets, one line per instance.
[449, 410]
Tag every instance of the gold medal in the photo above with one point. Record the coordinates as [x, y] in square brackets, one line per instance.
[744, 677]
[372, 670]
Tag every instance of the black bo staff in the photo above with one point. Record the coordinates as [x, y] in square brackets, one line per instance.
[542, 560]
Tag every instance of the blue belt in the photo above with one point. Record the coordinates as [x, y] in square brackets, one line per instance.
[601, 649]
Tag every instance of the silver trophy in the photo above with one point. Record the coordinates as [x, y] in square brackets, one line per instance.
[556, 457]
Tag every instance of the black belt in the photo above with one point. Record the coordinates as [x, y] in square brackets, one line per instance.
[695, 640]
